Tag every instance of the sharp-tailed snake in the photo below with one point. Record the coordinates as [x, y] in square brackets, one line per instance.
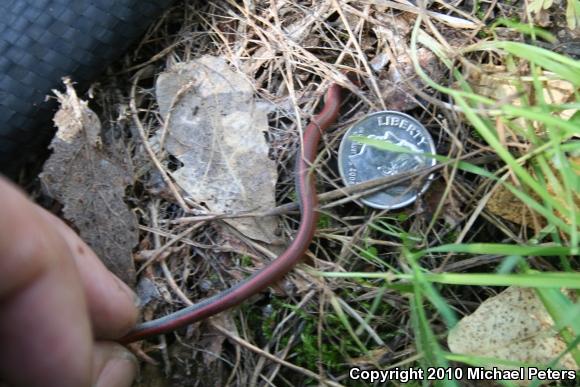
[276, 269]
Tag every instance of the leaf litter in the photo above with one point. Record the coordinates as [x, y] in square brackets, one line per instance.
[496, 82]
[88, 176]
[216, 128]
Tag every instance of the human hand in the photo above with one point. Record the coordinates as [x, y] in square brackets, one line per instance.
[59, 306]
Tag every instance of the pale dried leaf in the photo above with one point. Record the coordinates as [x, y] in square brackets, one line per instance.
[217, 131]
[407, 6]
[497, 83]
[514, 325]
[538, 5]
[90, 181]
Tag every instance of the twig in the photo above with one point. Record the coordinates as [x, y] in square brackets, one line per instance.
[268, 355]
[147, 146]
[351, 192]
[173, 241]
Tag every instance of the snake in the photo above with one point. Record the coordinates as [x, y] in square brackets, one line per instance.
[276, 269]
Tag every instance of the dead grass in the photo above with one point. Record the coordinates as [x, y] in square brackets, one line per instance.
[291, 52]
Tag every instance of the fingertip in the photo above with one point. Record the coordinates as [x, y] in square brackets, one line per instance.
[129, 312]
[112, 303]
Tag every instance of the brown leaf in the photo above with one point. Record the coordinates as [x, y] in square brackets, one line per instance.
[89, 181]
[217, 131]
[505, 204]
[213, 341]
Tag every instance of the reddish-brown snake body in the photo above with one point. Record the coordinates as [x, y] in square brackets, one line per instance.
[275, 270]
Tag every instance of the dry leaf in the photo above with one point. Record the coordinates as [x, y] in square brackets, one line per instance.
[408, 6]
[89, 181]
[217, 131]
[505, 204]
[514, 325]
[391, 36]
[495, 82]
[400, 81]
[212, 341]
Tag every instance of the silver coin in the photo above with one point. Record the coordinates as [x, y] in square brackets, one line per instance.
[360, 162]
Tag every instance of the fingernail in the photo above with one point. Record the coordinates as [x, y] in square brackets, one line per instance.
[120, 370]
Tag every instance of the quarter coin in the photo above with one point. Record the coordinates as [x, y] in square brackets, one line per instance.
[361, 162]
